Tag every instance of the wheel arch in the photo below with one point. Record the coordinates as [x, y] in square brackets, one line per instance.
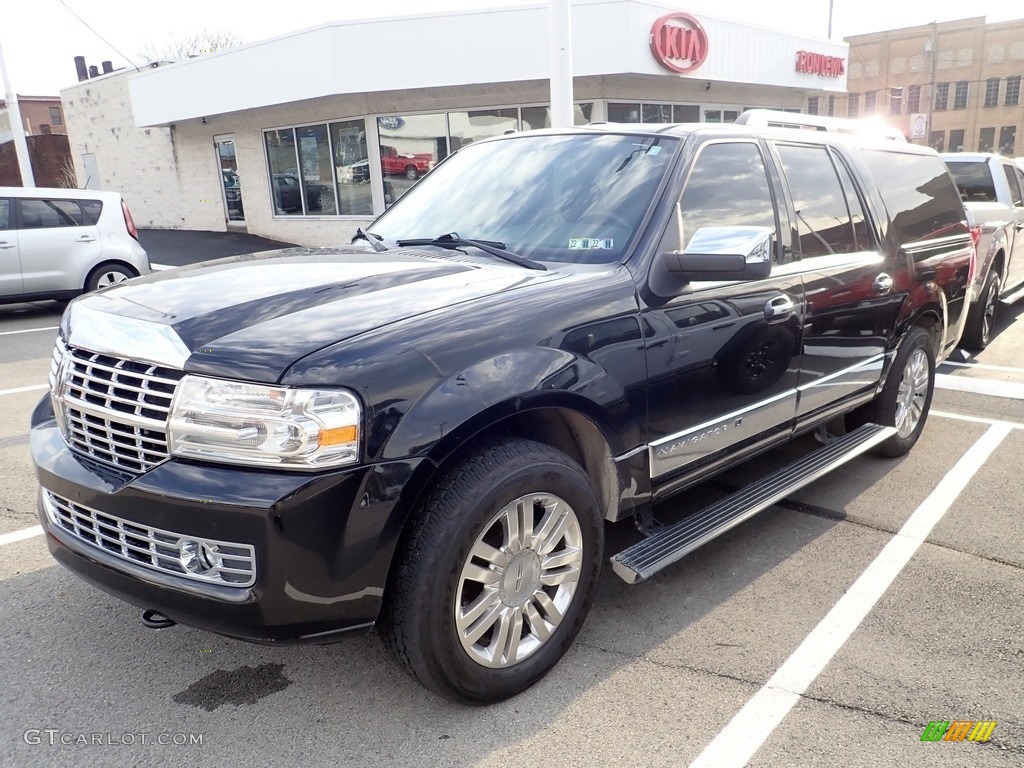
[103, 265]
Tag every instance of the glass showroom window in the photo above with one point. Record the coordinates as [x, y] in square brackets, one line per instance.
[317, 176]
[532, 118]
[410, 145]
[352, 166]
[285, 190]
[467, 127]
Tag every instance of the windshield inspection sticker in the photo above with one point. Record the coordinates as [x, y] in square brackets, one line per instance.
[593, 243]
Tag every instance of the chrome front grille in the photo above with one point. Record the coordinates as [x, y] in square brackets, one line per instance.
[114, 410]
[214, 562]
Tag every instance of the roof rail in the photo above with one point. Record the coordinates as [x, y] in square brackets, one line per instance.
[778, 119]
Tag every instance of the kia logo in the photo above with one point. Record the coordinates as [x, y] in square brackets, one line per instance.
[679, 42]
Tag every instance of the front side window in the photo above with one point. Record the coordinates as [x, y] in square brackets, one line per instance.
[47, 214]
[575, 198]
[918, 193]
[1011, 179]
[727, 186]
[822, 213]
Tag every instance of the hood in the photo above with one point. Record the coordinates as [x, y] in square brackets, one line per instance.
[251, 317]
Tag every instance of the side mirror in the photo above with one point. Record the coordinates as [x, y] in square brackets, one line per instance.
[722, 253]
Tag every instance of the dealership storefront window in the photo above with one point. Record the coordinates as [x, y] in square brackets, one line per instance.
[319, 170]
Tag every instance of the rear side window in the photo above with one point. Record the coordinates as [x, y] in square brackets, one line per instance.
[822, 207]
[974, 181]
[1014, 187]
[92, 210]
[5, 214]
[45, 214]
[918, 193]
[728, 186]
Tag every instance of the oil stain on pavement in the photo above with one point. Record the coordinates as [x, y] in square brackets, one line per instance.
[245, 685]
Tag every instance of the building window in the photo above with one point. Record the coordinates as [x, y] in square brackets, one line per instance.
[285, 191]
[831, 106]
[941, 97]
[721, 115]
[852, 104]
[960, 95]
[466, 127]
[1012, 97]
[656, 113]
[869, 102]
[895, 101]
[914, 99]
[956, 141]
[812, 105]
[986, 139]
[619, 112]
[45, 129]
[686, 113]
[532, 118]
[1007, 140]
[410, 145]
[55, 116]
[992, 92]
[937, 141]
[352, 166]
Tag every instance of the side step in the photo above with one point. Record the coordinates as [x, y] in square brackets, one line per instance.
[673, 542]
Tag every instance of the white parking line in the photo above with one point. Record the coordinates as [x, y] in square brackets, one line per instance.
[16, 390]
[991, 387]
[983, 366]
[753, 724]
[30, 330]
[975, 419]
[26, 533]
[159, 267]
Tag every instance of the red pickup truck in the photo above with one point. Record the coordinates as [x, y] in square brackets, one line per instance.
[410, 166]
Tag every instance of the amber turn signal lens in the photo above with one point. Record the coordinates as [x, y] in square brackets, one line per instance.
[338, 435]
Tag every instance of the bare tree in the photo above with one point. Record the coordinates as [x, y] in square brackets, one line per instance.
[66, 176]
[196, 44]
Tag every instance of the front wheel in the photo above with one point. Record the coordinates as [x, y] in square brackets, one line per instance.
[497, 574]
[906, 397]
[411, 173]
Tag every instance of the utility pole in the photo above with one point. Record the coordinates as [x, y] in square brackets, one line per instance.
[830, 19]
[560, 40]
[931, 86]
[20, 145]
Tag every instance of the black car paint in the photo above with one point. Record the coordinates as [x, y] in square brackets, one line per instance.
[439, 347]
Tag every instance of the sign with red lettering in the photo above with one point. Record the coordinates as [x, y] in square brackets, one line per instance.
[820, 64]
[679, 42]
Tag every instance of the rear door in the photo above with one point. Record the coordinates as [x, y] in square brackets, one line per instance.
[10, 261]
[59, 240]
[724, 357]
[1015, 272]
[850, 285]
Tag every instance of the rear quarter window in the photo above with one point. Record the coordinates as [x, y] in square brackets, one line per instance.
[918, 193]
[92, 210]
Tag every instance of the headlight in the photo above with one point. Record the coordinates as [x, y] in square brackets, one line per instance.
[257, 425]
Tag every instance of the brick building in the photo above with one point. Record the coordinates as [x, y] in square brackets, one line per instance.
[40, 116]
[955, 85]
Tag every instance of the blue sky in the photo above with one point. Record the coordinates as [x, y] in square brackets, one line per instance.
[40, 38]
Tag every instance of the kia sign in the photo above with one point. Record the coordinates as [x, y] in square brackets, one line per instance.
[820, 64]
[679, 42]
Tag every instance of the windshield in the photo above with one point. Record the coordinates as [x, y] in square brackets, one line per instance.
[577, 198]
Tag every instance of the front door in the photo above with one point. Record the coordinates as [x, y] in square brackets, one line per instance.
[723, 358]
[231, 184]
[1015, 274]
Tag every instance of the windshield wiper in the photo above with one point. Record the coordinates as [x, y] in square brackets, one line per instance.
[493, 247]
[372, 238]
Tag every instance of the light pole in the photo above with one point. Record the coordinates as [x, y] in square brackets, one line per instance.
[20, 145]
[560, 40]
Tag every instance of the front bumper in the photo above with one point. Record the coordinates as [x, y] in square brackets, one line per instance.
[322, 543]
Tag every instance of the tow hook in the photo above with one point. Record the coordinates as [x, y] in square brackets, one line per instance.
[155, 620]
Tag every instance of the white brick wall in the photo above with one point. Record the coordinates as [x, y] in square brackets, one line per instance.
[137, 162]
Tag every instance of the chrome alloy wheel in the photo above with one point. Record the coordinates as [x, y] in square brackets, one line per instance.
[110, 277]
[519, 580]
[912, 393]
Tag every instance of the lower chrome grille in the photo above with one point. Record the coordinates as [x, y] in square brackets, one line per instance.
[208, 560]
[115, 410]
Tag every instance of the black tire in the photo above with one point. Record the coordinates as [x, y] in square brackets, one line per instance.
[906, 398]
[411, 173]
[429, 585]
[108, 274]
[981, 319]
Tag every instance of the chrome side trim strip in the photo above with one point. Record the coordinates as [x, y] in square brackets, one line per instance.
[871, 361]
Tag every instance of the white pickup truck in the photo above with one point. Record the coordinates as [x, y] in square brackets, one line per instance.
[992, 188]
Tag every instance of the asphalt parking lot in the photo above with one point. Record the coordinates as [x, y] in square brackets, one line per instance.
[829, 630]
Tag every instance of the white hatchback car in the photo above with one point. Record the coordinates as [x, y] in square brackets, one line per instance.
[58, 243]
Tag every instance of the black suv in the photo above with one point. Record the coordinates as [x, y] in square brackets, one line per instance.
[428, 429]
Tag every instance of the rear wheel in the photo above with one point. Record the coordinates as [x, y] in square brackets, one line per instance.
[906, 397]
[981, 319]
[497, 574]
[106, 275]
[411, 173]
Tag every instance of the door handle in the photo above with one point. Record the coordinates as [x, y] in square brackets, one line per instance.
[85, 239]
[778, 309]
[5, 245]
[882, 284]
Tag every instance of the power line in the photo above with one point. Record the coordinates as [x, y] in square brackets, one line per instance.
[101, 37]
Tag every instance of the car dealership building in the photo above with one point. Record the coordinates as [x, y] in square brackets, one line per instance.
[307, 136]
